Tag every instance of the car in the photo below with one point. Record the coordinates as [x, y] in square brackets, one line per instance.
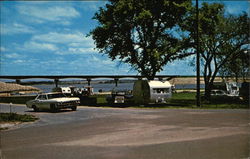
[53, 101]
[217, 92]
[119, 96]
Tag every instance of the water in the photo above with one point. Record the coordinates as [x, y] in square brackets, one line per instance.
[107, 86]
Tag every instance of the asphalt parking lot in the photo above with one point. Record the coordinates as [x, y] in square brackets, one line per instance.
[129, 133]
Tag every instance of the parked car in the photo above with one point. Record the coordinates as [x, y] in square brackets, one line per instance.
[217, 92]
[119, 96]
[53, 101]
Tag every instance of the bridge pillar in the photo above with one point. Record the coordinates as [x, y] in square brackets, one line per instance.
[89, 80]
[116, 81]
[18, 81]
[56, 82]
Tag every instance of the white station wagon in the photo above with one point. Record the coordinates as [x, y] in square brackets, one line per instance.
[53, 101]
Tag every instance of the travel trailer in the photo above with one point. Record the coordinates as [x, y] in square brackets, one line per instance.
[145, 92]
[66, 90]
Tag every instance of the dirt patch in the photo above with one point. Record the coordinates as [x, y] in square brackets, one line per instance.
[8, 125]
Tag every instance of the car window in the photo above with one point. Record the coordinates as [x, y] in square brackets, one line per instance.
[220, 92]
[42, 97]
[50, 96]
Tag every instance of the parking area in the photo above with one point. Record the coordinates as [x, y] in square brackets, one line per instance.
[122, 133]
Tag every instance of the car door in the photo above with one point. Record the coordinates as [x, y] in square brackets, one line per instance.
[42, 102]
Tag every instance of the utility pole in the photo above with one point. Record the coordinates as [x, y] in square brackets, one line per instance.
[198, 98]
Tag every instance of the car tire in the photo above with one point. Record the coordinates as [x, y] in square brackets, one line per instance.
[35, 108]
[74, 108]
[53, 108]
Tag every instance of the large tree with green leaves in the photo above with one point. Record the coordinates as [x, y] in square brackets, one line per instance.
[141, 32]
[221, 38]
[238, 67]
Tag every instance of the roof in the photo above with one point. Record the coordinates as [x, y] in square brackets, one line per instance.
[53, 93]
[12, 87]
[159, 84]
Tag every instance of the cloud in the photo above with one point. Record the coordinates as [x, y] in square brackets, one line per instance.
[38, 47]
[81, 50]
[72, 43]
[92, 5]
[16, 28]
[236, 7]
[75, 38]
[2, 49]
[12, 55]
[42, 14]
[19, 61]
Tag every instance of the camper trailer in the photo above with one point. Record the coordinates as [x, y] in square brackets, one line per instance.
[66, 90]
[145, 92]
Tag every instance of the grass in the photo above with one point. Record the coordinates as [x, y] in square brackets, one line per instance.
[188, 100]
[14, 117]
[185, 100]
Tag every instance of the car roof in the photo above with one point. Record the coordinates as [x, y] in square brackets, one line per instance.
[51, 93]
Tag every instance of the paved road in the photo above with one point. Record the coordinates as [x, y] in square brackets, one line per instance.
[122, 133]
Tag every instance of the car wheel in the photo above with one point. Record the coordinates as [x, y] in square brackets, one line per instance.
[74, 108]
[53, 108]
[35, 108]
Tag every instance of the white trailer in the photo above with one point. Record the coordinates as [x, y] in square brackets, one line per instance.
[151, 91]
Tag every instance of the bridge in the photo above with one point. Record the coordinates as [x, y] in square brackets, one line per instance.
[56, 78]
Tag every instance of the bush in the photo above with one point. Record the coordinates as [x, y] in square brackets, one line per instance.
[12, 117]
[16, 99]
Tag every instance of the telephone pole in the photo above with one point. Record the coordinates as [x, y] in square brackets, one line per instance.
[198, 98]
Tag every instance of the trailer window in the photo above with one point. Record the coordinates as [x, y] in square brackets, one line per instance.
[234, 88]
[160, 90]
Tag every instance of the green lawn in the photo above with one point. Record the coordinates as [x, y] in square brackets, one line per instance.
[189, 100]
[186, 100]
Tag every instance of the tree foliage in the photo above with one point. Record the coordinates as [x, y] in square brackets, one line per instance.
[238, 67]
[141, 32]
[221, 38]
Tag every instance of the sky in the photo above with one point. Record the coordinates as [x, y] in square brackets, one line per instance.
[49, 38]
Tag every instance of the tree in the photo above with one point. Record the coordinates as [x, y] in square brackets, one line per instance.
[221, 38]
[141, 32]
[238, 67]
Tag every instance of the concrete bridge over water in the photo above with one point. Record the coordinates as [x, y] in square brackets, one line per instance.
[56, 78]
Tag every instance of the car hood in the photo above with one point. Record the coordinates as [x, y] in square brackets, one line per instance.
[65, 99]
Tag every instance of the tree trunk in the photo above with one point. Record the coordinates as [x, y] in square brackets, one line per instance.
[208, 91]
[149, 76]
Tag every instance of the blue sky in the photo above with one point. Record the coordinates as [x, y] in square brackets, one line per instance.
[49, 38]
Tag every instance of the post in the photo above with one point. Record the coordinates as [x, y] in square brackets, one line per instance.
[56, 82]
[10, 107]
[198, 99]
[18, 81]
[116, 81]
[89, 80]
